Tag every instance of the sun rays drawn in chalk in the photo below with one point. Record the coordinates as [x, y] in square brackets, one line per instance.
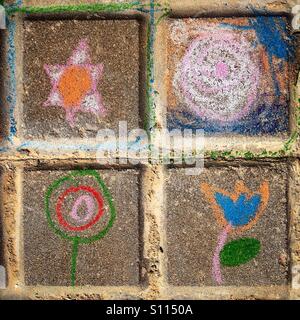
[79, 208]
[235, 212]
[74, 85]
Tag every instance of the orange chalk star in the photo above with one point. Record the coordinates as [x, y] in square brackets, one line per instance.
[74, 85]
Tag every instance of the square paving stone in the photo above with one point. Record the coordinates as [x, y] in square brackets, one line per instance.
[113, 260]
[196, 225]
[229, 75]
[80, 76]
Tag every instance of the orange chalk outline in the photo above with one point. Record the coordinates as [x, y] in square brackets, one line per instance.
[240, 188]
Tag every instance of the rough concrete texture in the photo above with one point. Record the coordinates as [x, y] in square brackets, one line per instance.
[193, 231]
[188, 5]
[231, 7]
[112, 43]
[229, 75]
[2, 249]
[111, 261]
[3, 129]
[37, 261]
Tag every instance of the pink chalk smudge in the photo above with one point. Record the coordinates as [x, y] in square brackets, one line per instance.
[204, 80]
[222, 70]
[90, 208]
[216, 269]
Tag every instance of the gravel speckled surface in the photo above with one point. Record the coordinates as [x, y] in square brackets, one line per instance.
[111, 261]
[192, 230]
[115, 43]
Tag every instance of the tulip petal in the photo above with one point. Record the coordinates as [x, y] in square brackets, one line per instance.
[240, 212]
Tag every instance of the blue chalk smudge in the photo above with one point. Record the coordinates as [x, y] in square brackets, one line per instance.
[240, 212]
[11, 60]
[43, 145]
[272, 33]
[265, 119]
[11, 57]
[105, 146]
[11, 98]
[3, 149]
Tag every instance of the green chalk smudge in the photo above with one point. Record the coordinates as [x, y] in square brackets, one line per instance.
[95, 7]
[238, 252]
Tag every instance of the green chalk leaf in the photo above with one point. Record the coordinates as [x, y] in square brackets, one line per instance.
[238, 252]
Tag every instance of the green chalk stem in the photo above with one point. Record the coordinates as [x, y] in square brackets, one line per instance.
[76, 240]
[74, 261]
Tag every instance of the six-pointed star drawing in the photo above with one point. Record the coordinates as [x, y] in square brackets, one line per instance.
[74, 85]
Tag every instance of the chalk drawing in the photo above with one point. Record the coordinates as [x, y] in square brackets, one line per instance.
[235, 212]
[66, 217]
[248, 249]
[216, 270]
[74, 85]
[272, 34]
[229, 75]
[90, 206]
[12, 96]
[211, 73]
[74, 213]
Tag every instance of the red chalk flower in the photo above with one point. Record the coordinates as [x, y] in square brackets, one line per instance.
[90, 218]
[79, 208]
